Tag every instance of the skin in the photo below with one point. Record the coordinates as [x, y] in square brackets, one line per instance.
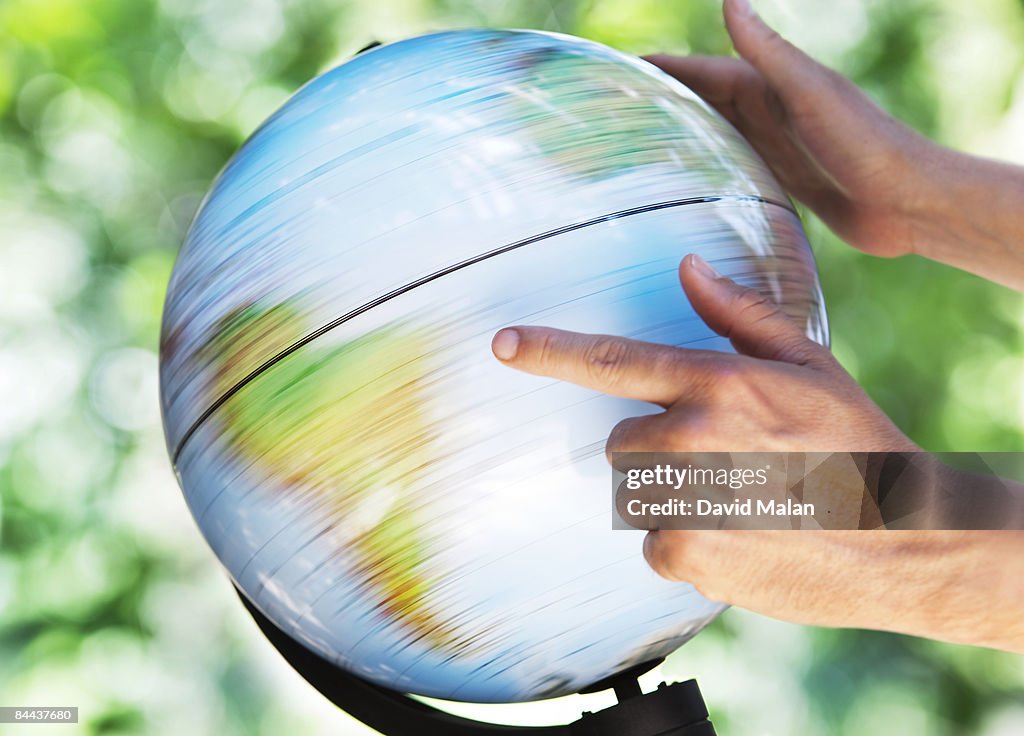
[879, 185]
[889, 192]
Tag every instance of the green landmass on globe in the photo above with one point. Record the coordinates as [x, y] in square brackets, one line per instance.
[344, 431]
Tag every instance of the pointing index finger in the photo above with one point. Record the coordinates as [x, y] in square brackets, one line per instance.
[631, 369]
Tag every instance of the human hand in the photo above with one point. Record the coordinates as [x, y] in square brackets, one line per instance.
[956, 586]
[783, 392]
[864, 173]
[780, 392]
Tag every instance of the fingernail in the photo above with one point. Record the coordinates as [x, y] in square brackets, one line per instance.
[703, 267]
[505, 344]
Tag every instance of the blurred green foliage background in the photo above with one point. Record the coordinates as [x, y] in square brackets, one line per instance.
[114, 117]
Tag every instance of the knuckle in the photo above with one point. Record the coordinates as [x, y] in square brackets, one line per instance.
[797, 347]
[665, 555]
[727, 373]
[729, 380]
[621, 436]
[750, 308]
[545, 349]
[678, 557]
[773, 37]
[664, 361]
[605, 359]
[752, 304]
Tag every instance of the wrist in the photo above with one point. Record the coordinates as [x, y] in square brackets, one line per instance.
[964, 211]
[930, 204]
[926, 576]
[958, 585]
[976, 597]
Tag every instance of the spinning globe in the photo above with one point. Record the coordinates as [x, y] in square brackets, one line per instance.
[373, 480]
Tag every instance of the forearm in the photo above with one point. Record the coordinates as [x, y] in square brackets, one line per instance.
[971, 217]
[965, 588]
[962, 586]
[958, 586]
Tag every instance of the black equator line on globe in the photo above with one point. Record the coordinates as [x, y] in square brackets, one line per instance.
[306, 339]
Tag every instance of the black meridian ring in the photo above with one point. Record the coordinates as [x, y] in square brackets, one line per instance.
[670, 710]
[399, 291]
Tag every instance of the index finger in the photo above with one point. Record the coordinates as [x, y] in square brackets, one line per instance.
[631, 369]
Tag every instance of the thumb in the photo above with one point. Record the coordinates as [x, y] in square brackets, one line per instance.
[753, 323]
[786, 68]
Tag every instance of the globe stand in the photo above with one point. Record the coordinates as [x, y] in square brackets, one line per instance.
[671, 710]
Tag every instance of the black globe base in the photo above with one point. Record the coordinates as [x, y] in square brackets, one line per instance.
[671, 710]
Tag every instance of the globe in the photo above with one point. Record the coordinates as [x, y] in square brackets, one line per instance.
[373, 480]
